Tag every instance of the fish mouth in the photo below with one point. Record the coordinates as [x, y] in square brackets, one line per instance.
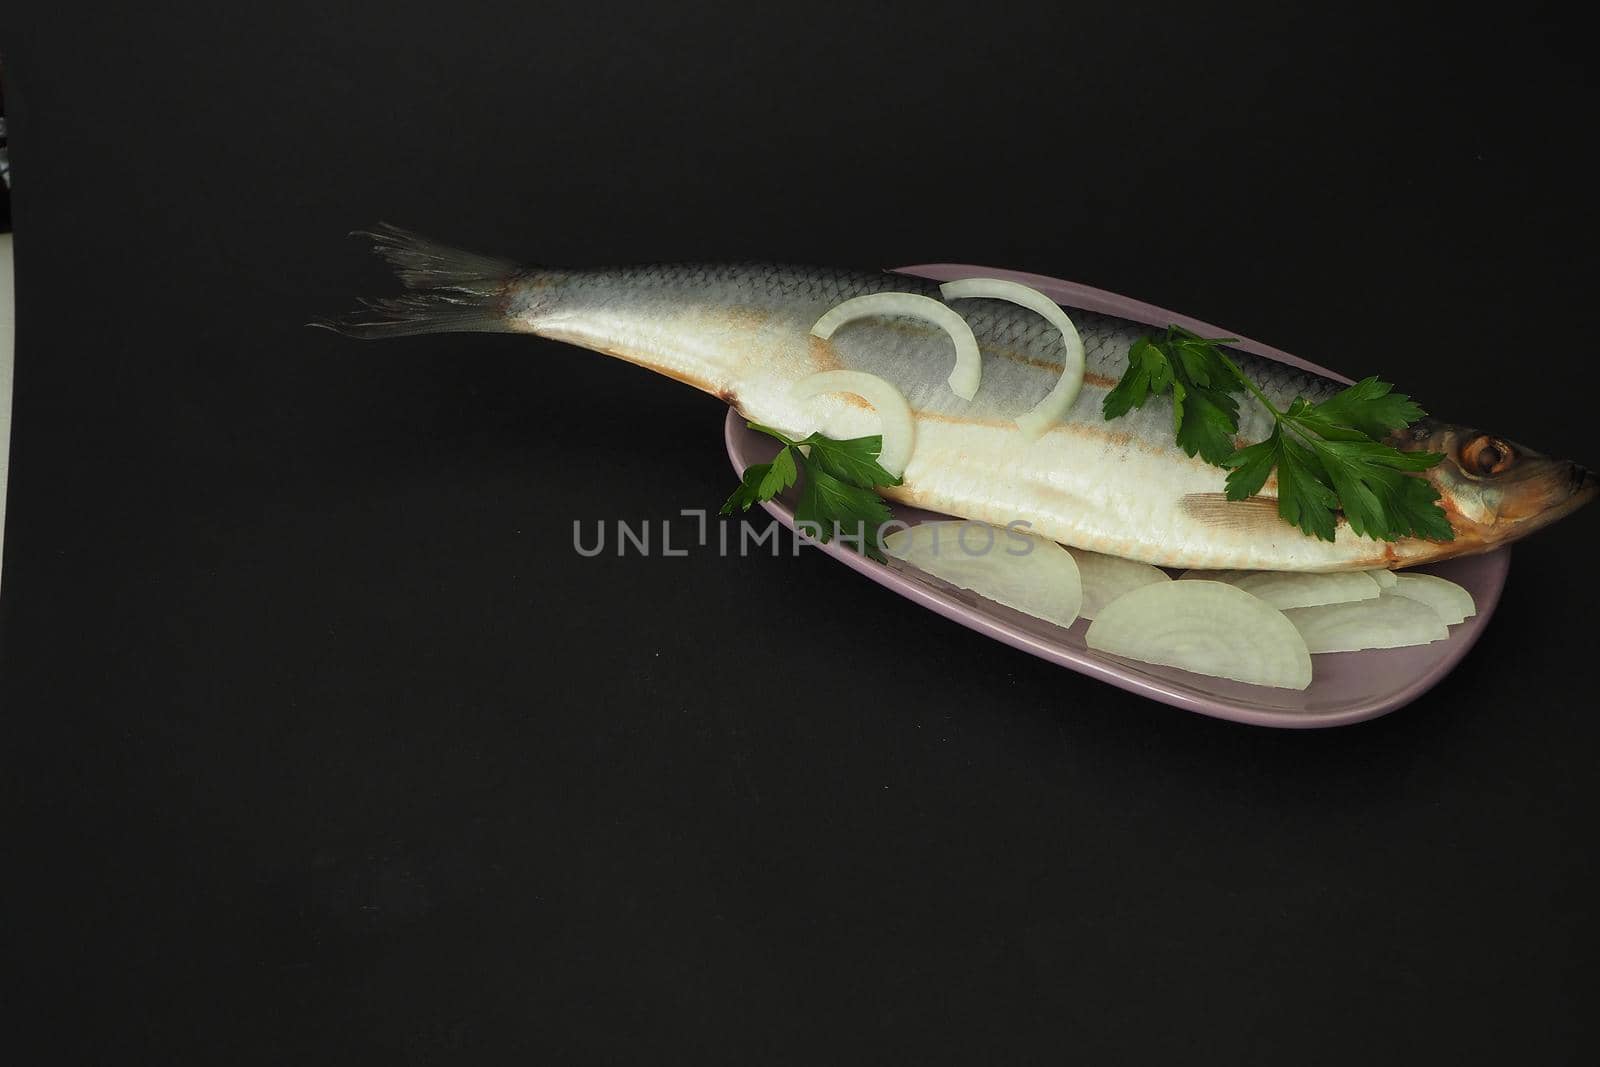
[1582, 487]
[1584, 484]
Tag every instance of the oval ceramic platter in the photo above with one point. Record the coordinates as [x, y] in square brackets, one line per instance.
[1346, 687]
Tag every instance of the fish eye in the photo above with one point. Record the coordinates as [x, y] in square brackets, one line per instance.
[1486, 455]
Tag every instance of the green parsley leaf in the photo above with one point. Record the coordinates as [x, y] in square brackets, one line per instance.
[749, 491]
[1369, 407]
[1136, 385]
[1251, 467]
[854, 461]
[1201, 360]
[1305, 498]
[1207, 420]
[1329, 457]
[826, 503]
[1380, 499]
[1372, 479]
[1205, 417]
[837, 493]
[780, 475]
[1303, 413]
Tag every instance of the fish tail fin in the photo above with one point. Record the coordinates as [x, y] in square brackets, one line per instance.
[448, 290]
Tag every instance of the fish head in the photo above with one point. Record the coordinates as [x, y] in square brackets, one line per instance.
[1495, 490]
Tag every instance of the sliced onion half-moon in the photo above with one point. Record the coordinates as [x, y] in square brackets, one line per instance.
[894, 415]
[1449, 601]
[1384, 622]
[1020, 570]
[968, 370]
[1048, 411]
[1384, 578]
[1209, 628]
[1105, 578]
[1296, 589]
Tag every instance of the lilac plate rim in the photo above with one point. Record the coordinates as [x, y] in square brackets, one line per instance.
[1126, 675]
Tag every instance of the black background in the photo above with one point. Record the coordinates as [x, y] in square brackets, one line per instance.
[324, 746]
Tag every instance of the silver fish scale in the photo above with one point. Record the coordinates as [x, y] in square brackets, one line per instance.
[1023, 353]
[771, 284]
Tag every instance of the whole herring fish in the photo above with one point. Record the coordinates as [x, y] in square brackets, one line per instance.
[741, 331]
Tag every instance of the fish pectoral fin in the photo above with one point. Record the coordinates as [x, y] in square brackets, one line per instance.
[1256, 514]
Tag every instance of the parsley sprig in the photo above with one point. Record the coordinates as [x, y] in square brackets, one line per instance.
[837, 492]
[1329, 457]
[1200, 379]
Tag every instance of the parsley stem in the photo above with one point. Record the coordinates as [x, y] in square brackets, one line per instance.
[770, 432]
[1278, 417]
[1248, 384]
[1309, 438]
